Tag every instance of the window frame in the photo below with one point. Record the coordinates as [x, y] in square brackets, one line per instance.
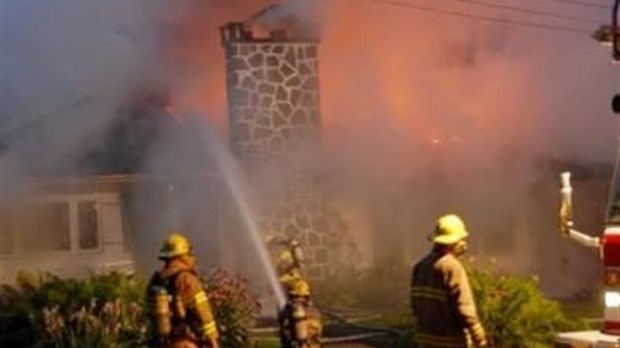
[72, 201]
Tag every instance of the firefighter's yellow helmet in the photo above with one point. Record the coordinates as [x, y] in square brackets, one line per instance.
[297, 287]
[449, 230]
[285, 258]
[175, 245]
[285, 261]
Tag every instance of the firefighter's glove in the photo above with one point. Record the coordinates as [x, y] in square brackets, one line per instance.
[566, 221]
[565, 226]
[210, 341]
[482, 343]
[210, 334]
[214, 344]
[479, 336]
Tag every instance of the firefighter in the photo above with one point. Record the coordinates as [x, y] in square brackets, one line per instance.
[443, 306]
[300, 321]
[180, 312]
[287, 266]
[290, 258]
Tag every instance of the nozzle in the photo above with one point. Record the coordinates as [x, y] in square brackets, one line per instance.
[565, 180]
[566, 204]
[297, 252]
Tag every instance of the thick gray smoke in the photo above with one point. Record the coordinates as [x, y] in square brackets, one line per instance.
[426, 114]
[423, 113]
[73, 74]
[93, 88]
[67, 66]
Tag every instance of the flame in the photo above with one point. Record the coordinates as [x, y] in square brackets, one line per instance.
[382, 69]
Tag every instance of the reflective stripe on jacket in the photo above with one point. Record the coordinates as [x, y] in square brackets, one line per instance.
[188, 289]
[442, 303]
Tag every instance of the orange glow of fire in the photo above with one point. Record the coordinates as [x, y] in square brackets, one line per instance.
[377, 65]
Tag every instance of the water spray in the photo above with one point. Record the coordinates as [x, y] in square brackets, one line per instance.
[235, 183]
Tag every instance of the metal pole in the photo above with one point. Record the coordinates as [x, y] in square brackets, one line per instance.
[614, 31]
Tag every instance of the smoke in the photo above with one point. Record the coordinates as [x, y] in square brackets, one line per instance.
[75, 76]
[66, 67]
[427, 114]
[430, 114]
[422, 113]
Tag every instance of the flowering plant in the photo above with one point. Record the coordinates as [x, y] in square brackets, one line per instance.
[235, 310]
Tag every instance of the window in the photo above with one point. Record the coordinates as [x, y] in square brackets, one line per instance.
[44, 226]
[88, 225]
[50, 224]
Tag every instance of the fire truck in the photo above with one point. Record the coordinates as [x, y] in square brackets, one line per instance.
[607, 244]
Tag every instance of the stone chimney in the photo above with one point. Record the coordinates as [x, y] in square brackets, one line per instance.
[274, 108]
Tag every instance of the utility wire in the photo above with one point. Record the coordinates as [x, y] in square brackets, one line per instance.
[528, 11]
[583, 4]
[513, 22]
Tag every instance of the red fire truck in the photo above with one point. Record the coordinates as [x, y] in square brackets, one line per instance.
[608, 244]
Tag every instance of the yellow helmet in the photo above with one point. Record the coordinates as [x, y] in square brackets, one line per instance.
[175, 245]
[297, 287]
[449, 230]
[285, 261]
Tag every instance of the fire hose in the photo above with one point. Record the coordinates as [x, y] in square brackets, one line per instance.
[367, 331]
[371, 331]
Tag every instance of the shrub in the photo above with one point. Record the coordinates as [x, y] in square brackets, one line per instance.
[99, 311]
[514, 311]
[107, 311]
[113, 324]
[234, 309]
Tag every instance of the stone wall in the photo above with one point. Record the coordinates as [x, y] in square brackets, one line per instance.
[272, 95]
[273, 99]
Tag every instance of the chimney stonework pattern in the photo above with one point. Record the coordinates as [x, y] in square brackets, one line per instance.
[274, 109]
[273, 96]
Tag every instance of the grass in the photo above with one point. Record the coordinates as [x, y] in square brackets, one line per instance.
[397, 322]
[589, 310]
[584, 309]
[267, 342]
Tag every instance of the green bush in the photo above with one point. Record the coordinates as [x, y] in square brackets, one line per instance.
[234, 309]
[515, 312]
[99, 311]
[107, 311]
[113, 324]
